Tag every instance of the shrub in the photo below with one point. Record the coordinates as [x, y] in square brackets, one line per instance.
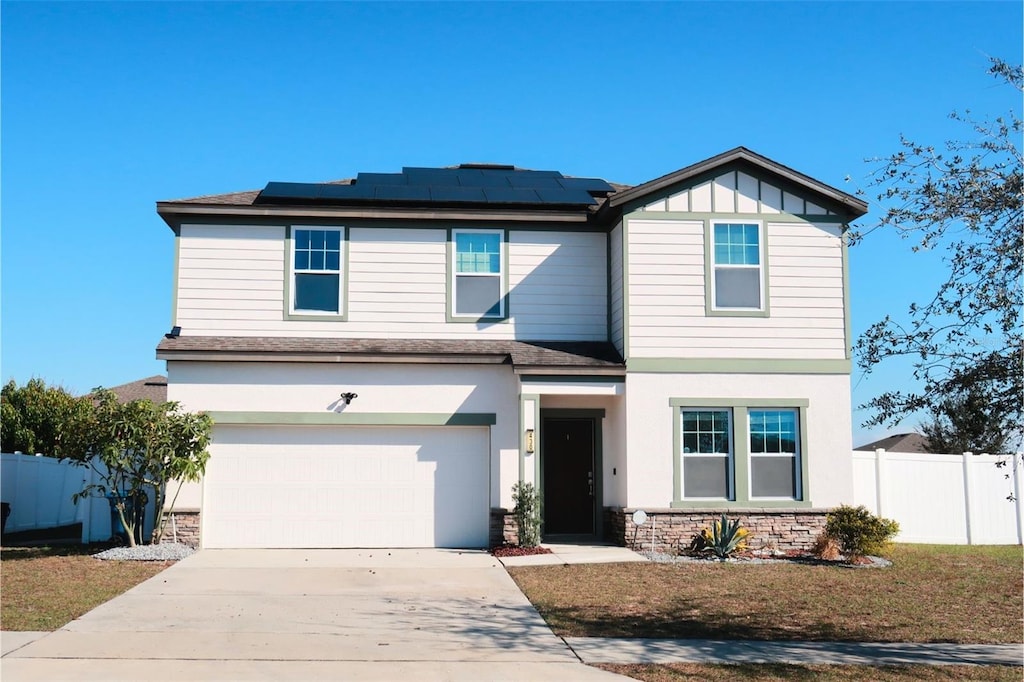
[527, 513]
[858, 531]
[725, 538]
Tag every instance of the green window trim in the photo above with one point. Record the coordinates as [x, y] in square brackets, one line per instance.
[452, 272]
[740, 436]
[290, 313]
[710, 265]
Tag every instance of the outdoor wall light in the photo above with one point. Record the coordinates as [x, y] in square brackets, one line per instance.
[348, 397]
[529, 441]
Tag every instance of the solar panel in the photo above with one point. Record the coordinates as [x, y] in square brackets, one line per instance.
[588, 184]
[458, 195]
[483, 178]
[289, 190]
[533, 181]
[382, 179]
[509, 195]
[566, 196]
[336, 192]
[402, 193]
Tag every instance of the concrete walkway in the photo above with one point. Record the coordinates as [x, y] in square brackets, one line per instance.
[576, 553]
[614, 650]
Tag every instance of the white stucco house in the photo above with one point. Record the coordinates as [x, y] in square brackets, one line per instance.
[384, 357]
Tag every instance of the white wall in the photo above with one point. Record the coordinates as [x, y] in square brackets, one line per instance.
[315, 388]
[652, 423]
[951, 499]
[231, 281]
[667, 294]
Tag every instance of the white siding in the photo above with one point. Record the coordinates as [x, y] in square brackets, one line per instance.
[231, 281]
[650, 418]
[736, 192]
[617, 331]
[667, 295]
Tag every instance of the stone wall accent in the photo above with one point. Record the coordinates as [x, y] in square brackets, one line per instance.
[504, 529]
[771, 530]
[186, 523]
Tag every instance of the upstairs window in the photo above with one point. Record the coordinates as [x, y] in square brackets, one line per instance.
[316, 271]
[478, 274]
[737, 267]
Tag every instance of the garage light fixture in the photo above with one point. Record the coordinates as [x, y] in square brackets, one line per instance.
[348, 397]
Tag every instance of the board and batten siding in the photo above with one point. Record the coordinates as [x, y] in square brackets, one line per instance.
[231, 282]
[615, 255]
[666, 292]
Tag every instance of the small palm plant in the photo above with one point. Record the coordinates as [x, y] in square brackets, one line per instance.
[725, 538]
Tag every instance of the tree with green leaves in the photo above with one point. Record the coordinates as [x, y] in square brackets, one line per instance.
[966, 423]
[965, 198]
[32, 417]
[136, 449]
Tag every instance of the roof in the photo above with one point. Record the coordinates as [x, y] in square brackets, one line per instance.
[154, 388]
[856, 207]
[568, 357]
[900, 442]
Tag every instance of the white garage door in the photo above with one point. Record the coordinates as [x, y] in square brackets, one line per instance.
[331, 486]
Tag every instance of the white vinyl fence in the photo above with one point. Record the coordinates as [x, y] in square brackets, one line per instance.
[39, 490]
[943, 499]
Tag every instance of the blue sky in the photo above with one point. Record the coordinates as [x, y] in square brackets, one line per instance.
[109, 107]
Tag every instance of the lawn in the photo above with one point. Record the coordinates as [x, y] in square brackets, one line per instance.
[931, 594]
[43, 588]
[776, 672]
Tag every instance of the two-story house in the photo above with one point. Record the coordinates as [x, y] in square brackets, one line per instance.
[384, 357]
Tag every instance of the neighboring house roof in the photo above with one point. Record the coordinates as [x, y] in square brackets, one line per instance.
[154, 388]
[901, 442]
[555, 357]
[856, 207]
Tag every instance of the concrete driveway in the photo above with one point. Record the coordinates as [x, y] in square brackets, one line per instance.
[310, 615]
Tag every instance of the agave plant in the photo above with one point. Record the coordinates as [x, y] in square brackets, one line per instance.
[725, 538]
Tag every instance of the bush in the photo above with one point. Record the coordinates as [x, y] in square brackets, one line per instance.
[527, 513]
[858, 531]
[725, 538]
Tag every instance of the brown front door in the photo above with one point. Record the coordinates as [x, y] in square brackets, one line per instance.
[567, 453]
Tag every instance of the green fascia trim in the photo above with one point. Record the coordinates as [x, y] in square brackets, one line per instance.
[709, 308]
[571, 378]
[523, 399]
[625, 288]
[175, 280]
[449, 283]
[342, 315]
[357, 418]
[766, 217]
[740, 460]
[738, 366]
[847, 321]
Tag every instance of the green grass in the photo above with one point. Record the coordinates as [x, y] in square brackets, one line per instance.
[931, 594]
[775, 672]
[44, 588]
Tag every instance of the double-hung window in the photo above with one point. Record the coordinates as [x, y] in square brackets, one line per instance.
[774, 453]
[706, 438]
[737, 267]
[478, 276]
[316, 271]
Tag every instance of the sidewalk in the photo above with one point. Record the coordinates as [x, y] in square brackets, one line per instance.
[618, 650]
[575, 553]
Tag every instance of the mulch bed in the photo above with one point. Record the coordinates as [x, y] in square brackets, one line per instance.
[515, 550]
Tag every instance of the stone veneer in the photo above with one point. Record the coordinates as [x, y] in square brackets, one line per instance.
[185, 525]
[770, 529]
[504, 529]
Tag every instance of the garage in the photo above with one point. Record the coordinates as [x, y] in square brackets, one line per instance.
[346, 486]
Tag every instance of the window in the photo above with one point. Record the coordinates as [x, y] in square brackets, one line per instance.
[737, 267]
[742, 451]
[707, 453]
[478, 277]
[316, 271]
[774, 470]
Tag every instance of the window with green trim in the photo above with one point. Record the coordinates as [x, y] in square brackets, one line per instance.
[316, 271]
[478, 273]
[737, 271]
[774, 453]
[706, 439]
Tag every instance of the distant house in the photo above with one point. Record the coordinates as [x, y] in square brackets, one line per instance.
[900, 442]
[154, 388]
[385, 357]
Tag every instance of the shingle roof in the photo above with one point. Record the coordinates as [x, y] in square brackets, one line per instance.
[551, 354]
[900, 442]
[154, 388]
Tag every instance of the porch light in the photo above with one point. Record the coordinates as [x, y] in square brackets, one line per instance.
[529, 441]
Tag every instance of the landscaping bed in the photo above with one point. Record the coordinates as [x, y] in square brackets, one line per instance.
[777, 672]
[965, 594]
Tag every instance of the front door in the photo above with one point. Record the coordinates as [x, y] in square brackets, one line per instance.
[567, 453]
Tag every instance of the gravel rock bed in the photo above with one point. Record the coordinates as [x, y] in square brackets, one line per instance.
[657, 557]
[168, 551]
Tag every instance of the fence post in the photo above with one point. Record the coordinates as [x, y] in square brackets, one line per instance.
[879, 480]
[1018, 458]
[967, 494]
